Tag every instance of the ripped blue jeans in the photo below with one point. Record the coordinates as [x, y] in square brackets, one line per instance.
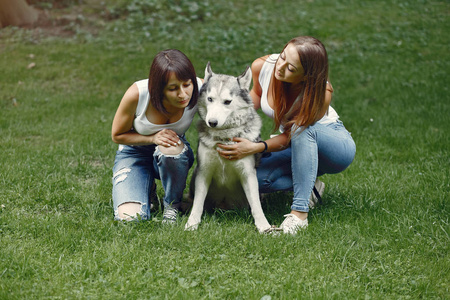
[319, 149]
[136, 168]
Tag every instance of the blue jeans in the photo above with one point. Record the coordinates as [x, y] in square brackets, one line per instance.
[319, 149]
[136, 168]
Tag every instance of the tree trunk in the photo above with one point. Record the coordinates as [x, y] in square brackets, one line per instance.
[16, 13]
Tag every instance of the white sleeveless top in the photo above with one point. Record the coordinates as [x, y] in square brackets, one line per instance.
[265, 76]
[143, 126]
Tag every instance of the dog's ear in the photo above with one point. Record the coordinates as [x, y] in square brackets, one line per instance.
[208, 72]
[245, 78]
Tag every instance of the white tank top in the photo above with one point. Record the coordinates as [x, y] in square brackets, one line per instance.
[265, 76]
[143, 126]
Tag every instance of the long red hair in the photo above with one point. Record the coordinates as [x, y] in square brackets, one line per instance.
[305, 109]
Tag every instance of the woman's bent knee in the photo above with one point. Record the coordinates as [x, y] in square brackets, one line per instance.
[173, 150]
[130, 211]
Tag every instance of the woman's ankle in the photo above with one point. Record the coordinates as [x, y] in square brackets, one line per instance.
[300, 214]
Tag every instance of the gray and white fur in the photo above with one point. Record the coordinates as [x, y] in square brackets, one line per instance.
[226, 111]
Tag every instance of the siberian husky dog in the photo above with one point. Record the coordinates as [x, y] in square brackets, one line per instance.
[226, 111]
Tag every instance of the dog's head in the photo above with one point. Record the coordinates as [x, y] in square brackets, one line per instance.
[224, 99]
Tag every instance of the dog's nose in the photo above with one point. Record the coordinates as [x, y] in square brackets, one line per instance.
[213, 122]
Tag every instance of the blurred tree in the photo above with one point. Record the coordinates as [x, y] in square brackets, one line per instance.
[16, 13]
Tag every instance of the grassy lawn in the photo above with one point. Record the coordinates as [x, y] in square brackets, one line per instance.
[383, 231]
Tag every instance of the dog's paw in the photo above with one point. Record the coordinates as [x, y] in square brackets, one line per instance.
[190, 227]
[272, 230]
[262, 225]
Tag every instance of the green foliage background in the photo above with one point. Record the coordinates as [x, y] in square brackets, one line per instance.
[382, 232]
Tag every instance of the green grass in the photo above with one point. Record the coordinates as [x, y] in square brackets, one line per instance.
[382, 232]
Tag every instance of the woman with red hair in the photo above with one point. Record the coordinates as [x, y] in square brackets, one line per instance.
[293, 89]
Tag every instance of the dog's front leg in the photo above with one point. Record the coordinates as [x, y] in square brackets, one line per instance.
[202, 182]
[250, 185]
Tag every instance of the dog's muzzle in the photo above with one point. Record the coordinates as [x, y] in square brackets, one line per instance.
[213, 123]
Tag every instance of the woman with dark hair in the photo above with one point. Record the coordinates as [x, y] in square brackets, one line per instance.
[149, 127]
[293, 89]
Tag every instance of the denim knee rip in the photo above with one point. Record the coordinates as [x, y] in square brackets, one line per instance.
[159, 154]
[141, 215]
[121, 176]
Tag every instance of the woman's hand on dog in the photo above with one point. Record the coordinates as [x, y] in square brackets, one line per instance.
[240, 149]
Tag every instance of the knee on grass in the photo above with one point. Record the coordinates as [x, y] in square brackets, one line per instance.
[129, 211]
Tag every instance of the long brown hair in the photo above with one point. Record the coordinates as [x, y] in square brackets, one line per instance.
[304, 110]
[167, 62]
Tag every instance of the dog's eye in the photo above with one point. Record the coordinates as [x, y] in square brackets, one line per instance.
[227, 102]
[209, 99]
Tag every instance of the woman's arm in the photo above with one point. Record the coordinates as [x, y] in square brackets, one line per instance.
[328, 95]
[256, 90]
[244, 147]
[121, 132]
